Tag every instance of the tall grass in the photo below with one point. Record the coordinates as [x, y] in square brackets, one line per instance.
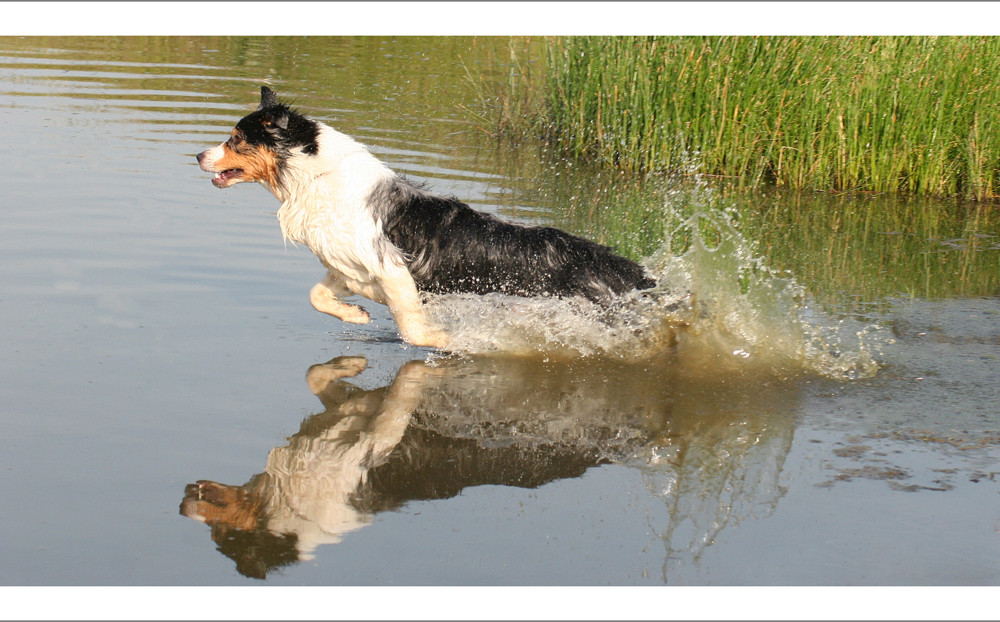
[504, 85]
[882, 114]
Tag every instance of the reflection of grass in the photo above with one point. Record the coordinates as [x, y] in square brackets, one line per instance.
[883, 114]
[848, 250]
[856, 249]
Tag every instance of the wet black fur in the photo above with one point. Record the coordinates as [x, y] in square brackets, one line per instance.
[450, 247]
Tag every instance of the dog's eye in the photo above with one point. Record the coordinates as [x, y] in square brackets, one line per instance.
[235, 141]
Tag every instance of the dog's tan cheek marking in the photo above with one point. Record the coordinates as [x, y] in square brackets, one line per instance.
[259, 164]
[265, 166]
[234, 509]
[230, 159]
[239, 517]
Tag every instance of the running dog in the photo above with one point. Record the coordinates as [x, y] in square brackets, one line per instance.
[389, 240]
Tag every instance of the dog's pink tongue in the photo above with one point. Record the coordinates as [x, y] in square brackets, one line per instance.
[220, 179]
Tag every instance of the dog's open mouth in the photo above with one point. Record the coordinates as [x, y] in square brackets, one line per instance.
[224, 178]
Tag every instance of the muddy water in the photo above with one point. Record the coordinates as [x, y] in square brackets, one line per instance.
[825, 414]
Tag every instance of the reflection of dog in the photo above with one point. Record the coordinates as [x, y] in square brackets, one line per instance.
[302, 499]
[386, 239]
[712, 450]
[357, 458]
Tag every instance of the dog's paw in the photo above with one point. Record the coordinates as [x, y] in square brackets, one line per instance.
[345, 366]
[353, 314]
[319, 376]
[428, 337]
[324, 301]
[357, 315]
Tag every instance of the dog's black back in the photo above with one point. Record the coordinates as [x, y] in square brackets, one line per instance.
[451, 248]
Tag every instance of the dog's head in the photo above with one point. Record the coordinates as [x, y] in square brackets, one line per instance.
[214, 503]
[261, 145]
[234, 514]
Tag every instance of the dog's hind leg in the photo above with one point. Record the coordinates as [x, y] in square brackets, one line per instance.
[326, 296]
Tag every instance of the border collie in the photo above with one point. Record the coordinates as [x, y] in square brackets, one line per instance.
[387, 239]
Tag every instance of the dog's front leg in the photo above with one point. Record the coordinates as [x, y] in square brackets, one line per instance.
[326, 296]
[404, 303]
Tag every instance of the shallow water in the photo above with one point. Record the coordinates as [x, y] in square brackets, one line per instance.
[812, 424]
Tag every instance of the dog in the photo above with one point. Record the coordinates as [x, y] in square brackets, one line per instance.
[390, 240]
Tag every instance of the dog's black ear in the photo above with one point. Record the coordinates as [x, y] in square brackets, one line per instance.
[267, 98]
[280, 119]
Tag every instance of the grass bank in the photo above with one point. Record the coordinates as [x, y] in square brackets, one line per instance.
[881, 114]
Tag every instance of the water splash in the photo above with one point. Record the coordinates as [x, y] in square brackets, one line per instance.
[717, 307]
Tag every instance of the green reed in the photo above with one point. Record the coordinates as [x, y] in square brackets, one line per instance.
[502, 77]
[882, 114]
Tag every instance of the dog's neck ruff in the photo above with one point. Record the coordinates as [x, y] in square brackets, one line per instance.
[332, 185]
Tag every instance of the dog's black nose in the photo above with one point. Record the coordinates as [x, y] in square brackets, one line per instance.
[199, 157]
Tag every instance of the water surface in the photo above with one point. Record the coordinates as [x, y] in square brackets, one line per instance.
[829, 417]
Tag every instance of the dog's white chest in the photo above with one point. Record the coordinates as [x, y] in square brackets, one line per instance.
[330, 217]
